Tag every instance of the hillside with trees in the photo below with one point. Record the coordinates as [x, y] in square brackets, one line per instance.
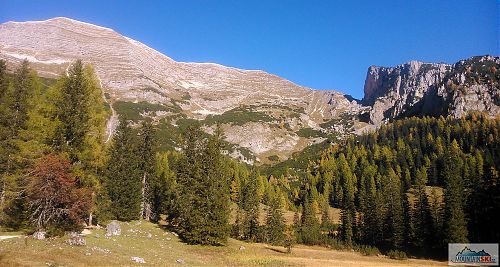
[408, 188]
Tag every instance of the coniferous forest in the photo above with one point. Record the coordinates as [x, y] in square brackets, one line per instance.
[407, 189]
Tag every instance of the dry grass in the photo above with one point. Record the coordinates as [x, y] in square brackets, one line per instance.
[333, 213]
[161, 248]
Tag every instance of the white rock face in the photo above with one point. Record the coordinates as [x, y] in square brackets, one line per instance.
[132, 71]
[418, 88]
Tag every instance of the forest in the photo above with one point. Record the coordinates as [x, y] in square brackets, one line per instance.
[407, 189]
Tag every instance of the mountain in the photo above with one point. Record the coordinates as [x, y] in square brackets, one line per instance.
[131, 72]
[265, 118]
[418, 88]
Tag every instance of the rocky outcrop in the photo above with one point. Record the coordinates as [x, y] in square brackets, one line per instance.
[418, 88]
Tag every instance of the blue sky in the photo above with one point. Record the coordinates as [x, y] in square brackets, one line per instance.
[319, 44]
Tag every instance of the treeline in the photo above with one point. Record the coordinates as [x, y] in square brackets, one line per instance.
[413, 186]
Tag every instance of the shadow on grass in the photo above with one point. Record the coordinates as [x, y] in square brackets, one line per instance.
[277, 250]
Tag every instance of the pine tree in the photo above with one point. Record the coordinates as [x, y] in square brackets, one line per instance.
[421, 215]
[22, 92]
[275, 224]
[455, 227]
[348, 212]
[395, 220]
[123, 175]
[250, 204]
[147, 151]
[73, 112]
[203, 190]
[309, 227]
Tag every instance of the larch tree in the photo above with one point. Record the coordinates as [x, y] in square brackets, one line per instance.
[57, 200]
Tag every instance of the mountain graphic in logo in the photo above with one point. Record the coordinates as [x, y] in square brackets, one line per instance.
[467, 252]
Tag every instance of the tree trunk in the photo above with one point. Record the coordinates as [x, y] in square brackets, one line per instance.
[90, 219]
[2, 201]
[143, 197]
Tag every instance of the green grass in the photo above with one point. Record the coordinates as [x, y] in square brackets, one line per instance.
[159, 247]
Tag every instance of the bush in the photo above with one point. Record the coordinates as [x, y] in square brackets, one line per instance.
[397, 255]
[368, 250]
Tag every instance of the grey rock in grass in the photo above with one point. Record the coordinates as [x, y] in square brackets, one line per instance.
[76, 240]
[113, 229]
[137, 260]
[39, 235]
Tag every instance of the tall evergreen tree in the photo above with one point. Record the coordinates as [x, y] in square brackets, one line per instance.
[250, 204]
[348, 212]
[309, 227]
[147, 151]
[203, 190]
[395, 220]
[455, 227]
[275, 224]
[123, 177]
[421, 215]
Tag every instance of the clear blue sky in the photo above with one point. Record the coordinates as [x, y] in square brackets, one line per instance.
[320, 44]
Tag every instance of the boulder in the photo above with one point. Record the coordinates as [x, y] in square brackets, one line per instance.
[137, 260]
[113, 229]
[40, 235]
[76, 240]
[180, 261]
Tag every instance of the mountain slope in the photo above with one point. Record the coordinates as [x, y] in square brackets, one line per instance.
[132, 72]
[265, 118]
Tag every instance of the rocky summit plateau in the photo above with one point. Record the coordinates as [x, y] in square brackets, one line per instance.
[265, 118]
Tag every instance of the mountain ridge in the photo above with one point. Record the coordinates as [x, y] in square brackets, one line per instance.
[261, 112]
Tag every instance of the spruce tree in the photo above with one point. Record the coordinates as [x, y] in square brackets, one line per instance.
[348, 212]
[203, 190]
[455, 227]
[421, 215]
[146, 152]
[250, 204]
[123, 177]
[394, 219]
[309, 227]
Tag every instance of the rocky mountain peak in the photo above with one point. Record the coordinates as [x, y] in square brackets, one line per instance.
[418, 88]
